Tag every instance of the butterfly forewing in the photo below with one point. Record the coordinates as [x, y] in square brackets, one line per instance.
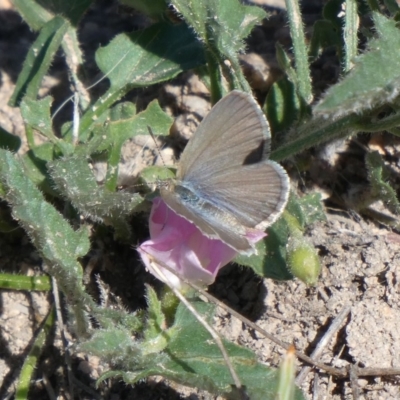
[234, 133]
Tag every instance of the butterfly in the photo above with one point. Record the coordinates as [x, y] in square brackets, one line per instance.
[225, 183]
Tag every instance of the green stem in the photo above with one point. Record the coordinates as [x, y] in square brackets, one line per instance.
[74, 60]
[300, 50]
[215, 77]
[315, 132]
[322, 129]
[240, 79]
[112, 168]
[29, 136]
[350, 34]
[285, 64]
[388, 123]
[96, 110]
[31, 360]
[22, 282]
[233, 73]
[70, 283]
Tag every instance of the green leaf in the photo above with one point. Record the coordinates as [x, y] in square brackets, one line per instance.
[35, 166]
[285, 63]
[156, 336]
[37, 12]
[270, 260]
[35, 15]
[36, 113]
[71, 10]
[119, 130]
[38, 217]
[377, 174]
[156, 320]
[149, 56]
[325, 35]
[222, 26]
[317, 130]
[123, 110]
[110, 318]
[306, 209]
[282, 105]
[191, 357]
[375, 78]
[302, 65]
[76, 182]
[350, 33]
[9, 141]
[59, 245]
[143, 58]
[195, 359]
[113, 343]
[117, 346]
[39, 59]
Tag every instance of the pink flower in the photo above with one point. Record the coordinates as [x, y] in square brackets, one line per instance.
[180, 245]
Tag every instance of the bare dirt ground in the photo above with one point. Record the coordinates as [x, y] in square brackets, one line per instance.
[360, 257]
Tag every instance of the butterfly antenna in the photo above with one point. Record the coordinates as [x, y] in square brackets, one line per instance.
[155, 142]
[70, 98]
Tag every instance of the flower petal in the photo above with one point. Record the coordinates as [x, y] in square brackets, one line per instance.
[180, 245]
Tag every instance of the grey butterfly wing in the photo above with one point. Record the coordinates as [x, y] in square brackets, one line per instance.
[226, 162]
[255, 194]
[234, 133]
[212, 222]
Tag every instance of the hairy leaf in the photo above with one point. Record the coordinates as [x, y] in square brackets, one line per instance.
[76, 182]
[375, 78]
[39, 59]
[59, 245]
